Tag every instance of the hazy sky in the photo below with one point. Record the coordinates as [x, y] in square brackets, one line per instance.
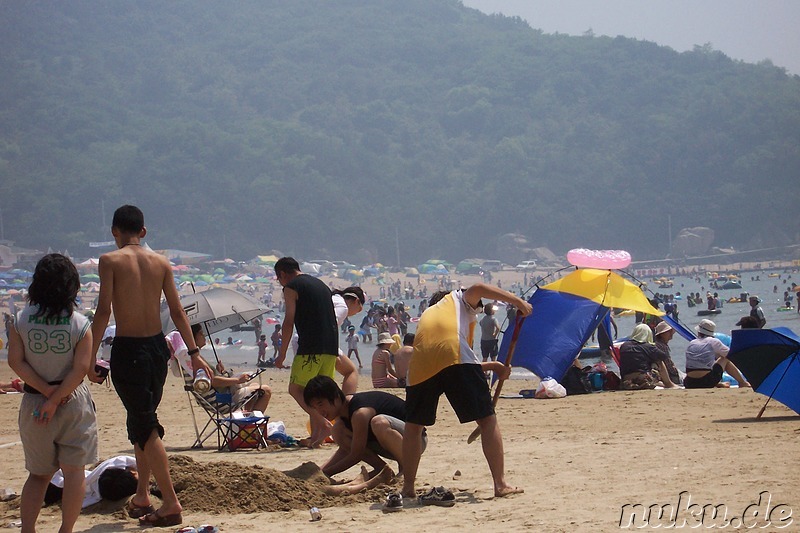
[750, 30]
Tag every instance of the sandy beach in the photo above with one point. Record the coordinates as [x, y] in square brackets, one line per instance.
[579, 459]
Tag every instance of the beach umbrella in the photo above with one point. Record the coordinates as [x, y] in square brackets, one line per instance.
[565, 313]
[769, 360]
[216, 309]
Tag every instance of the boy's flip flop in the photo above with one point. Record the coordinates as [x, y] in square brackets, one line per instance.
[156, 520]
[138, 511]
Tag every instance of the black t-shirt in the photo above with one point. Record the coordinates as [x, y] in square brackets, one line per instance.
[637, 357]
[383, 403]
[314, 317]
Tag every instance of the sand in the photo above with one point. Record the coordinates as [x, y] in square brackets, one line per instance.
[579, 459]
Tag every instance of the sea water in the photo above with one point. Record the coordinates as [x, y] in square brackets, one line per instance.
[244, 356]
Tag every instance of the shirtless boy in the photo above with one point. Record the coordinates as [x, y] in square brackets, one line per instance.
[132, 280]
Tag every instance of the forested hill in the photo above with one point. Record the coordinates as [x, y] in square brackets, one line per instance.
[317, 127]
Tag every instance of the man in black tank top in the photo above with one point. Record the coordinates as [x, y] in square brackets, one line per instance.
[309, 308]
[369, 425]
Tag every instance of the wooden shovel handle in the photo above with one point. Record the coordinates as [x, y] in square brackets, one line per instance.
[511, 348]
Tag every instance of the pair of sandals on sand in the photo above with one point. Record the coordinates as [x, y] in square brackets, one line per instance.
[439, 496]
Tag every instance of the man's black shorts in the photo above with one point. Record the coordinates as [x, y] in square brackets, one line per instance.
[489, 349]
[138, 372]
[466, 390]
[709, 381]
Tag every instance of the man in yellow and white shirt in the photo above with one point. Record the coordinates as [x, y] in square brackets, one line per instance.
[444, 362]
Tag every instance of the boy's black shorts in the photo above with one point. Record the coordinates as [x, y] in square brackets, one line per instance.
[465, 387]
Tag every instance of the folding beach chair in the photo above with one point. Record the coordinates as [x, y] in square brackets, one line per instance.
[233, 430]
[242, 431]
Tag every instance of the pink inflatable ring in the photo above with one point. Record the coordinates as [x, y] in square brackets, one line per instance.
[605, 259]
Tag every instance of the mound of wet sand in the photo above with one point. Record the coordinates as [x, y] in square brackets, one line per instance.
[227, 487]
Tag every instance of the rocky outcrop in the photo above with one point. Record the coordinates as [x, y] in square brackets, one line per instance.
[692, 242]
[513, 248]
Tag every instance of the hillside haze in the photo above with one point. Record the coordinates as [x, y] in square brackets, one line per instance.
[344, 129]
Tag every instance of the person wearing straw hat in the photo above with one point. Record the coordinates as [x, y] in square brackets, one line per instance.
[383, 373]
[706, 358]
[663, 334]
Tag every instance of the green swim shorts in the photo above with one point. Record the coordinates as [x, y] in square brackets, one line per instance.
[305, 367]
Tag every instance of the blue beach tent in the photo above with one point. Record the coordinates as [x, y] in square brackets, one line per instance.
[565, 313]
[769, 359]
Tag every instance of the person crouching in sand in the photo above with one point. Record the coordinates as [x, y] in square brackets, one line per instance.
[369, 425]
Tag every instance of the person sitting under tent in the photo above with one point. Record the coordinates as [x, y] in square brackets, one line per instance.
[663, 334]
[220, 380]
[641, 364]
[706, 358]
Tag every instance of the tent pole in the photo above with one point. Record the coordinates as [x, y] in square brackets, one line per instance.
[788, 365]
[761, 412]
[511, 348]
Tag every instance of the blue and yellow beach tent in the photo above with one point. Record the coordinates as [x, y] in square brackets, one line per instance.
[565, 313]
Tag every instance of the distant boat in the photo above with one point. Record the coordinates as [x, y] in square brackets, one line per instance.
[731, 285]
